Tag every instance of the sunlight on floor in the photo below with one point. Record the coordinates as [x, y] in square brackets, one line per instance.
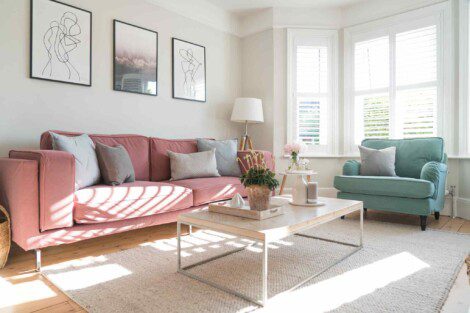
[15, 294]
[331, 293]
[89, 276]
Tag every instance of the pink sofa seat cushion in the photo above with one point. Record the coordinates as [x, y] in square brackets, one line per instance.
[103, 203]
[136, 145]
[211, 189]
[159, 160]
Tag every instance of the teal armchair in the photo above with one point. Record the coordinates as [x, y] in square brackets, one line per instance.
[418, 188]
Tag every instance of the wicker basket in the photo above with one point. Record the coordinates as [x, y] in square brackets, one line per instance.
[5, 236]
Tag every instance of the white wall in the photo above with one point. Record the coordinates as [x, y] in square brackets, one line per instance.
[257, 82]
[29, 106]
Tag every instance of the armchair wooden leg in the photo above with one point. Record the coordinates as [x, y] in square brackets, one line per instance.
[436, 215]
[423, 219]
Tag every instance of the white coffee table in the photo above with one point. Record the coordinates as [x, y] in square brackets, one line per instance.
[296, 219]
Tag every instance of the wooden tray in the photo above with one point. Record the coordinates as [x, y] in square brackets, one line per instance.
[224, 208]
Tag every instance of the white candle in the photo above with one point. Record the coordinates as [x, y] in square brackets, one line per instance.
[312, 192]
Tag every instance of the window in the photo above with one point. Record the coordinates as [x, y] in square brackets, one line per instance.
[311, 79]
[396, 78]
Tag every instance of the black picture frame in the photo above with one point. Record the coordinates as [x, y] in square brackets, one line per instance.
[173, 70]
[114, 58]
[31, 47]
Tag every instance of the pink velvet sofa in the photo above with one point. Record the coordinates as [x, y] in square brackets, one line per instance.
[37, 187]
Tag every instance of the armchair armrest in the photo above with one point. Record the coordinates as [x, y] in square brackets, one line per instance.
[352, 168]
[436, 173]
[268, 158]
[56, 177]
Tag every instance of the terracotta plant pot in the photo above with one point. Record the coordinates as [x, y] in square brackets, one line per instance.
[258, 197]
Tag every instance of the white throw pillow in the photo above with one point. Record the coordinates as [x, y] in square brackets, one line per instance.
[193, 165]
[377, 162]
[87, 171]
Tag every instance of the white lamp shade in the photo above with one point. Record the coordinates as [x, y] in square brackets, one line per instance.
[248, 110]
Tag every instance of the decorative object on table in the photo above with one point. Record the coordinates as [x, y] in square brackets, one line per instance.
[115, 164]
[246, 211]
[308, 174]
[225, 154]
[296, 163]
[377, 162]
[189, 71]
[237, 201]
[193, 165]
[312, 192]
[60, 43]
[5, 236]
[247, 111]
[135, 59]
[259, 181]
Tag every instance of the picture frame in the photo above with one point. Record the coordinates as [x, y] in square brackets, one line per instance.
[60, 42]
[188, 70]
[135, 59]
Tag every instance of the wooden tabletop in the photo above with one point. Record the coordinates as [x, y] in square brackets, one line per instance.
[295, 219]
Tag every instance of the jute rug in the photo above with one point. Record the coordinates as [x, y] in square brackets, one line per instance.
[400, 269]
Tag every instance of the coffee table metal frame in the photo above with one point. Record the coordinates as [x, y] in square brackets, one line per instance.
[264, 267]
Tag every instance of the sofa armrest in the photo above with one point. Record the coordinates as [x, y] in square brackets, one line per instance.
[268, 158]
[436, 173]
[56, 177]
[352, 168]
[19, 194]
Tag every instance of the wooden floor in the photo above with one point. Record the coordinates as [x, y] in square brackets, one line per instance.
[23, 290]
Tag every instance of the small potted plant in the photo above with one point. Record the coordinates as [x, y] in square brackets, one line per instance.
[259, 181]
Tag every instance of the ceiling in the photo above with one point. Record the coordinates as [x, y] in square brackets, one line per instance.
[245, 6]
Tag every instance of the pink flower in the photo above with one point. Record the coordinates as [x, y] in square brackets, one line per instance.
[295, 147]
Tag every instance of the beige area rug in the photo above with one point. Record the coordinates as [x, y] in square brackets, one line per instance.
[400, 269]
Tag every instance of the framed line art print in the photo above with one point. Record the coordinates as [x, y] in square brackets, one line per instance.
[189, 70]
[60, 42]
[135, 59]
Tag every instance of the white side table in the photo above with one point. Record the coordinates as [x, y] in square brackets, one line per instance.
[284, 174]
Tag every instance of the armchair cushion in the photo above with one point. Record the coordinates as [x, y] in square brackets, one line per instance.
[385, 186]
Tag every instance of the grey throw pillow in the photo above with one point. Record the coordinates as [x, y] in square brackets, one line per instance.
[225, 154]
[115, 164]
[377, 162]
[193, 165]
[87, 171]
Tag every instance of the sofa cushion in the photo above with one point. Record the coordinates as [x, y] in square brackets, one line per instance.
[193, 165]
[385, 186]
[87, 171]
[159, 160]
[411, 154]
[137, 146]
[210, 189]
[103, 203]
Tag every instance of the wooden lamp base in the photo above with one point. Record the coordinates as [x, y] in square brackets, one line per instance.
[246, 143]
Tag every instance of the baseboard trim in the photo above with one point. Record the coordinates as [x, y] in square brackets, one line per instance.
[463, 208]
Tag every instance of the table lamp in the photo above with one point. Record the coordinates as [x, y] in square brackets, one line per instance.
[247, 110]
